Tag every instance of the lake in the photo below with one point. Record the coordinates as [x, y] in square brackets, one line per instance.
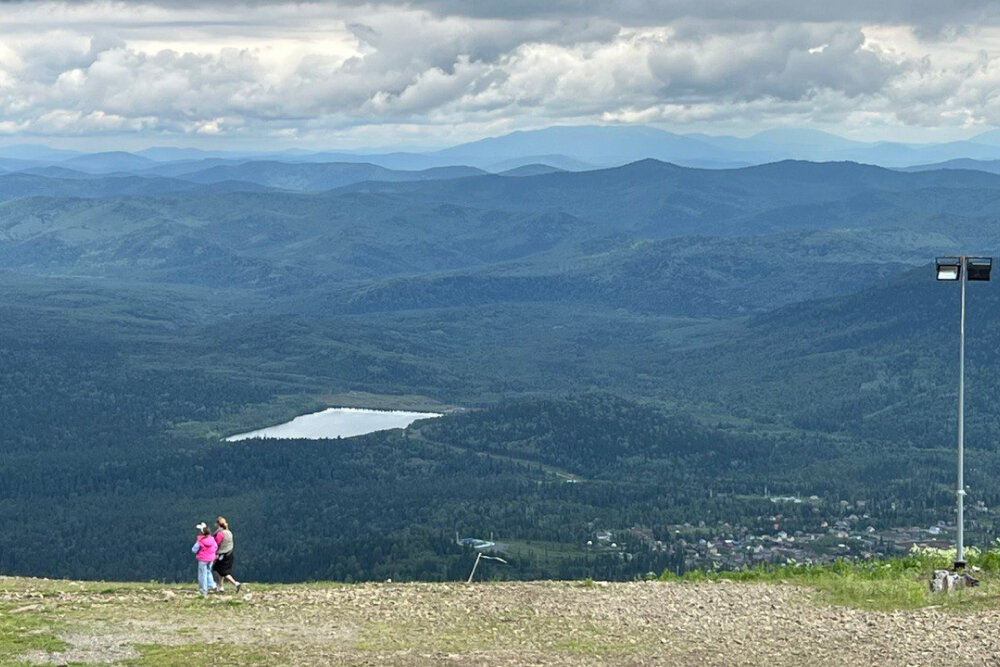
[336, 423]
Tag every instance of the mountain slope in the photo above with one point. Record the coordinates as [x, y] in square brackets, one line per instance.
[598, 145]
[619, 237]
[319, 176]
[687, 276]
[612, 145]
[108, 162]
[989, 166]
[23, 184]
[658, 200]
[880, 363]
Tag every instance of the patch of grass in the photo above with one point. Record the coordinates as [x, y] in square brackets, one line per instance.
[23, 632]
[232, 602]
[587, 638]
[156, 655]
[398, 636]
[523, 631]
[882, 584]
[541, 550]
[590, 646]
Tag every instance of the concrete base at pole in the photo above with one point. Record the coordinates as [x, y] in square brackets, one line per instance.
[943, 581]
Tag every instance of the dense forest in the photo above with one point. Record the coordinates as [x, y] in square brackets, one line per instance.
[650, 357]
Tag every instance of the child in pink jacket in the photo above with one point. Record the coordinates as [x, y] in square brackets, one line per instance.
[204, 549]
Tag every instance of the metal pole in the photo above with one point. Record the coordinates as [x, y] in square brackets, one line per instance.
[474, 566]
[960, 492]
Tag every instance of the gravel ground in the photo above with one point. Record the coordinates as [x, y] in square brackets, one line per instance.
[541, 623]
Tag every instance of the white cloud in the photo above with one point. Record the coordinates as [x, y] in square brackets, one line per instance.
[434, 71]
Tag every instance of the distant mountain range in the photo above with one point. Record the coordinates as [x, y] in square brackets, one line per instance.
[614, 145]
[568, 148]
[468, 237]
[990, 166]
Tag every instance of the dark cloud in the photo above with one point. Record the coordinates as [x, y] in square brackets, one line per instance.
[925, 13]
[911, 12]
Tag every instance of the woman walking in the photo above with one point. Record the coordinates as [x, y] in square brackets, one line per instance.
[223, 567]
[204, 550]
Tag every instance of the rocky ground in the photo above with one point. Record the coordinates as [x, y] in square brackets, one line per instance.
[725, 623]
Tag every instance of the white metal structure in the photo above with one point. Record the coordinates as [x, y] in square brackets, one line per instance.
[963, 269]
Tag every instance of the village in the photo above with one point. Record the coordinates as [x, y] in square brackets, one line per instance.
[839, 530]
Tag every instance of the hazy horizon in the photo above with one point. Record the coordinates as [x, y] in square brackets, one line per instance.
[138, 145]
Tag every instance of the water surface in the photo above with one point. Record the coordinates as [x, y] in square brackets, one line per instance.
[336, 423]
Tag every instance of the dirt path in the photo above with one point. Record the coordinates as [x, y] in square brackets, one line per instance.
[497, 623]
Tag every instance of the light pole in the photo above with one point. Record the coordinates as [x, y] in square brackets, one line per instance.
[962, 268]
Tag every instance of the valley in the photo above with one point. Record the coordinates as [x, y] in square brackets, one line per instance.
[515, 333]
[681, 344]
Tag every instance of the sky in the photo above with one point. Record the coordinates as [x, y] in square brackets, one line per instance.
[427, 73]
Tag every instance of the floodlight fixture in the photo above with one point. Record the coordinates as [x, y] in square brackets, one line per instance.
[948, 268]
[978, 268]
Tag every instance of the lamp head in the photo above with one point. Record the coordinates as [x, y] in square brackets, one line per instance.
[948, 268]
[978, 268]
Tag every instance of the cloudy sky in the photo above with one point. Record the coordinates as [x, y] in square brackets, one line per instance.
[434, 72]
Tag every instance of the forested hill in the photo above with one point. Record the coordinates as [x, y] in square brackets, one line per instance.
[636, 352]
[878, 363]
[660, 199]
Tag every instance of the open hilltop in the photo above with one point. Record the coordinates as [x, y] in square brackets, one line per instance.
[543, 623]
